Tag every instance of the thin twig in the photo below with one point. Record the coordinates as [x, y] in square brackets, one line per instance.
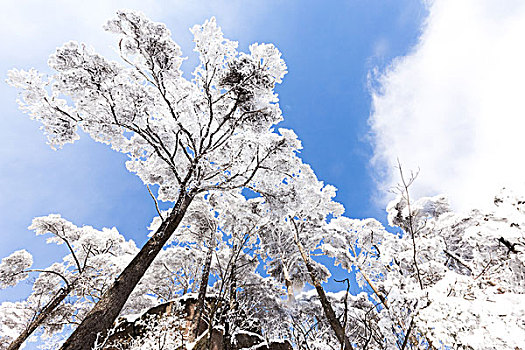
[156, 203]
[68, 285]
[457, 259]
[406, 195]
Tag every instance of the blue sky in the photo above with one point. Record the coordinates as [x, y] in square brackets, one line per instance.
[447, 98]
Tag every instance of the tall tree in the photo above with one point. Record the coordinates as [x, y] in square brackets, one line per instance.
[212, 133]
[303, 204]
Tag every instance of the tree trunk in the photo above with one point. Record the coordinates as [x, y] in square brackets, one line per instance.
[288, 283]
[328, 311]
[327, 307]
[199, 308]
[42, 316]
[104, 313]
[233, 286]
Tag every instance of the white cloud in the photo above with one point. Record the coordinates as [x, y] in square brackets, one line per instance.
[455, 106]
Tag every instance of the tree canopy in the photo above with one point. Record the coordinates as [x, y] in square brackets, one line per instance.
[443, 279]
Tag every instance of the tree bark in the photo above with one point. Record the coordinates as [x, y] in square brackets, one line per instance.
[325, 303]
[232, 304]
[104, 313]
[233, 286]
[42, 316]
[288, 283]
[199, 308]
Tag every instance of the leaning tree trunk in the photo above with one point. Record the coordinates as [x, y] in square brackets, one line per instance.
[105, 312]
[38, 320]
[327, 306]
[199, 308]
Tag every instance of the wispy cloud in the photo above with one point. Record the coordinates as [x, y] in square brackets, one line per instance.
[455, 106]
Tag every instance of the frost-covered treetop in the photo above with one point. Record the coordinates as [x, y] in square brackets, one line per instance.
[63, 292]
[12, 268]
[211, 132]
[459, 277]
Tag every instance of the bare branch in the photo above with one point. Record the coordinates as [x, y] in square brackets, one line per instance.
[156, 203]
[68, 285]
[406, 196]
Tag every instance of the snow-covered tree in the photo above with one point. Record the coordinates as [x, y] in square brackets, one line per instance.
[211, 133]
[448, 280]
[445, 280]
[64, 292]
[300, 206]
[471, 267]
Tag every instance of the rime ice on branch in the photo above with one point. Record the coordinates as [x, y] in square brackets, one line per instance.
[447, 279]
[64, 292]
[213, 133]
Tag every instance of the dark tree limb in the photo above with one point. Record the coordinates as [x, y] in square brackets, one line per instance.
[41, 317]
[199, 308]
[325, 303]
[106, 311]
